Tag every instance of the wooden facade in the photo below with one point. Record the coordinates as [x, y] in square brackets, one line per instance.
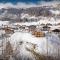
[38, 34]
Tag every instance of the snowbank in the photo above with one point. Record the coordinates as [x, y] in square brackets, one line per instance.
[41, 43]
[57, 12]
[4, 23]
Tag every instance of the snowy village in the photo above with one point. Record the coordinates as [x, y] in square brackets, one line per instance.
[30, 33]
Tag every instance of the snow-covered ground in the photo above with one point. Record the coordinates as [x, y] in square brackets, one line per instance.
[22, 41]
[4, 23]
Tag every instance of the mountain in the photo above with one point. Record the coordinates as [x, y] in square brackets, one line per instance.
[14, 14]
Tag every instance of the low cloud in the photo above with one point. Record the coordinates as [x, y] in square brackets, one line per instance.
[18, 5]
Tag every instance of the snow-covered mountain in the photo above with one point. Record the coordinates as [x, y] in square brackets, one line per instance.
[15, 13]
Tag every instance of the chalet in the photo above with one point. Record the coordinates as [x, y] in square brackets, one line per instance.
[8, 30]
[56, 30]
[48, 24]
[42, 24]
[32, 28]
[45, 28]
[38, 34]
[22, 27]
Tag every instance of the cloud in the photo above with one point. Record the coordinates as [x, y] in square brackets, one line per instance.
[18, 5]
[27, 5]
[53, 2]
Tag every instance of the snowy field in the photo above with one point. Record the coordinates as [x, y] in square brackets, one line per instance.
[23, 43]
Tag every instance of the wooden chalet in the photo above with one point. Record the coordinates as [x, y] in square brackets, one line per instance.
[38, 34]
